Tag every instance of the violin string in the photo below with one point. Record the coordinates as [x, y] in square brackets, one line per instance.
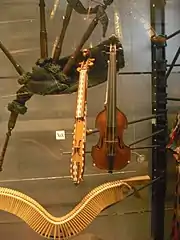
[35, 179]
[118, 33]
[106, 94]
[115, 95]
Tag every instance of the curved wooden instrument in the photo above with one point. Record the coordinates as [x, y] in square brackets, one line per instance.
[72, 223]
[111, 153]
[79, 136]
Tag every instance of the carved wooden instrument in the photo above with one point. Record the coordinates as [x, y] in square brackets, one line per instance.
[75, 221]
[79, 136]
[110, 153]
[72, 223]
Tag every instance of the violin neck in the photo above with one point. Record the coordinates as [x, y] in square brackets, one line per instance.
[111, 89]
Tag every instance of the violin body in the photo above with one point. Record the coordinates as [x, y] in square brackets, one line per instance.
[122, 152]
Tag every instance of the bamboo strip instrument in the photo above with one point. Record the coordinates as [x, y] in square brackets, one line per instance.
[65, 227]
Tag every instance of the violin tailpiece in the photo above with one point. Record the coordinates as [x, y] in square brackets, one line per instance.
[71, 224]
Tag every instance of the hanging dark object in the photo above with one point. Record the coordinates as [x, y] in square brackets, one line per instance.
[52, 76]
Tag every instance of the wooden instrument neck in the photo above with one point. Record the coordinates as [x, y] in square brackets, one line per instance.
[111, 89]
[82, 88]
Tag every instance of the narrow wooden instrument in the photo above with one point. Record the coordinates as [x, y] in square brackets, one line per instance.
[79, 136]
[111, 153]
[65, 227]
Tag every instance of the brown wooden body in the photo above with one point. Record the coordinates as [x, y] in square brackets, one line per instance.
[99, 151]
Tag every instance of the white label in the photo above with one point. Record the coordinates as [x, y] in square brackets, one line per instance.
[60, 135]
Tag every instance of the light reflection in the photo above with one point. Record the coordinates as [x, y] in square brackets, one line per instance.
[53, 12]
[146, 24]
[117, 24]
[54, 46]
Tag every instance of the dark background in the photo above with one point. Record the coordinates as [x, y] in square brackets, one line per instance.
[33, 163]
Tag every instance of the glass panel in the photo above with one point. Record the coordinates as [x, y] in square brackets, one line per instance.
[134, 17]
[34, 163]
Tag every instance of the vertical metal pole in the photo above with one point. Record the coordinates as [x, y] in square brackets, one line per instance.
[159, 102]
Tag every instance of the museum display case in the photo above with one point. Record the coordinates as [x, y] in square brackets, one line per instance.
[37, 160]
